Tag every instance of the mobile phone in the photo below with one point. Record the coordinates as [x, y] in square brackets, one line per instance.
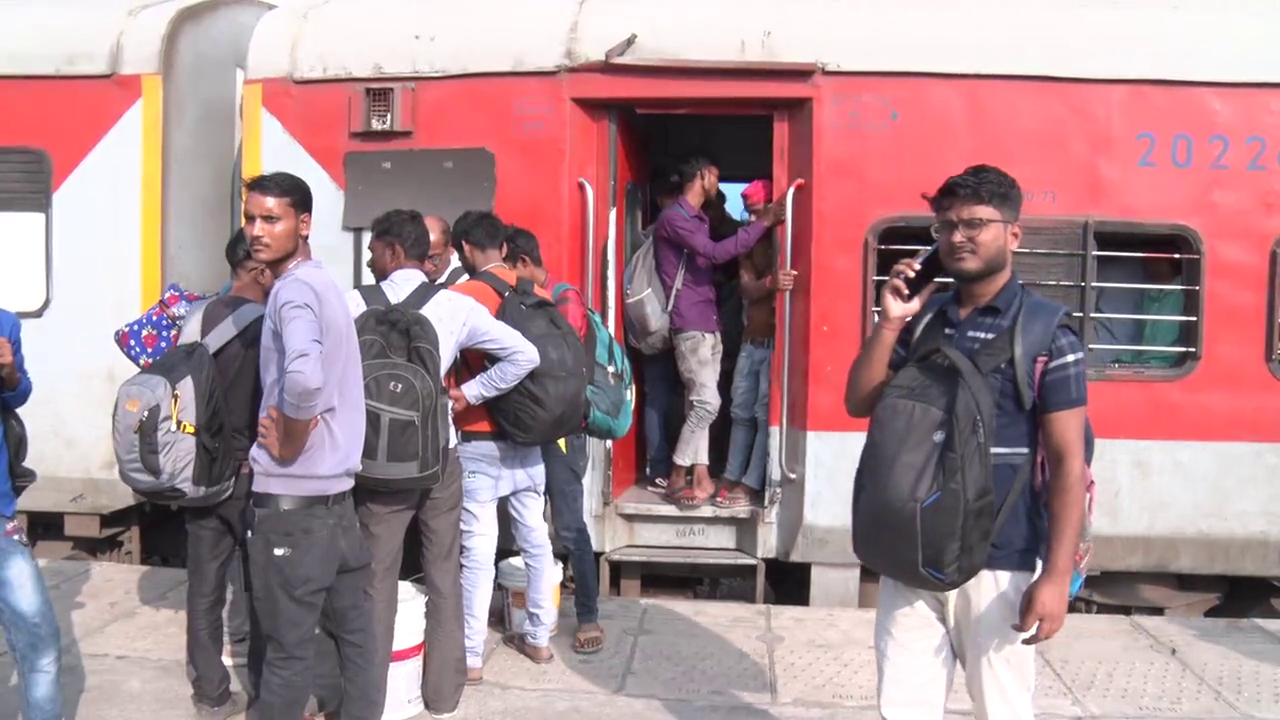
[930, 269]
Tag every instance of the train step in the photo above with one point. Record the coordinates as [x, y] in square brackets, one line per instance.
[632, 560]
[640, 502]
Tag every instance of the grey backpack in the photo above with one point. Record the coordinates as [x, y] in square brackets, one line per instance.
[168, 428]
[646, 311]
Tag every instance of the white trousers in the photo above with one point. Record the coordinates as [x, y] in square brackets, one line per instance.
[494, 470]
[920, 636]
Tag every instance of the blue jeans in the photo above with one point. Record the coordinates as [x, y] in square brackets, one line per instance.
[565, 492]
[662, 387]
[30, 626]
[749, 441]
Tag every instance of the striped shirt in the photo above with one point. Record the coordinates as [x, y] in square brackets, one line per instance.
[1063, 386]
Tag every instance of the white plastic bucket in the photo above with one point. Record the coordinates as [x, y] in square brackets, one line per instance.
[404, 677]
[512, 578]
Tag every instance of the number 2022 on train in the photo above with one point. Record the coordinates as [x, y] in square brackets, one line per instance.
[1183, 151]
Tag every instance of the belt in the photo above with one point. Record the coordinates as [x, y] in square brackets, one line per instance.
[759, 342]
[476, 435]
[269, 501]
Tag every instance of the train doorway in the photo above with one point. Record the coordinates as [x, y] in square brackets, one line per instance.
[646, 148]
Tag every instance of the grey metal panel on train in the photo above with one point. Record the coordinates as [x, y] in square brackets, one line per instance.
[434, 182]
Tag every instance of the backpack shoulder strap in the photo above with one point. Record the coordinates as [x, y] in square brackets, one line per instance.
[927, 335]
[226, 330]
[454, 276]
[558, 290]
[193, 325]
[374, 296]
[420, 296]
[1038, 319]
[494, 282]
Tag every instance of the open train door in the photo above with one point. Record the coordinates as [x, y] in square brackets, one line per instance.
[627, 201]
[789, 394]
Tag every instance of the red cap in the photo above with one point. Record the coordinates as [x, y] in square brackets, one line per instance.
[759, 192]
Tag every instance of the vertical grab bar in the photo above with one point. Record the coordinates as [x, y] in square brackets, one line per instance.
[590, 222]
[784, 425]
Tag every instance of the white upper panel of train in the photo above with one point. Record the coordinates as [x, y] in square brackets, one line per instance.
[86, 38]
[1190, 40]
[1226, 41]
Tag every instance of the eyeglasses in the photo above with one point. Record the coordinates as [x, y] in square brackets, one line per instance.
[970, 228]
[434, 260]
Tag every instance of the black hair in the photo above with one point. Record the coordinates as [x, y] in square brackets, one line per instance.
[522, 243]
[405, 229]
[689, 169]
[237, 252]
[478, 228]
[979, 185]
[285, 186]
[665, 181]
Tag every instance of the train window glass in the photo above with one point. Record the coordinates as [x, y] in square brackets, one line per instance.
[1147, 286]
[26, 193]
[1273, 313]
[635, 210]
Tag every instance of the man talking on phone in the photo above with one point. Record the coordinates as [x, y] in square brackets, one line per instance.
[986, 623]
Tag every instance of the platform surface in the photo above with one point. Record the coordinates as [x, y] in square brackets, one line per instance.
[124, 648]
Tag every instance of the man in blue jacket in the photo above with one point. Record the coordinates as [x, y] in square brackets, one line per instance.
[26, 614]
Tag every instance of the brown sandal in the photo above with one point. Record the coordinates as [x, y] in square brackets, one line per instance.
[517, 643]
[589, 640]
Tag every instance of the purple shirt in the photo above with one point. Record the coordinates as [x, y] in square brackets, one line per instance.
[310, 365]
[682, 227]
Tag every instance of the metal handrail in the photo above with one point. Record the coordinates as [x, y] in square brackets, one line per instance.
[783, 424]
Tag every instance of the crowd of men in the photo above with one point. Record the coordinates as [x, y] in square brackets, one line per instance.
[324, 553]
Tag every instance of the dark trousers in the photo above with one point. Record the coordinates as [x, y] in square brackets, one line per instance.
[214, 536]
[663, 393]
[565, 469]
[303, 563]
[385, 517]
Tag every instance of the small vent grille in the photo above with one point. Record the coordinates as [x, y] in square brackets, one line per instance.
[25, 180]
[380, 103]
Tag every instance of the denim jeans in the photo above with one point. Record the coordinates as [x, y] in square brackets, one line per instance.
[30, 626]
[494, 470]
[749, 408]
[661, 389]
[565, 469]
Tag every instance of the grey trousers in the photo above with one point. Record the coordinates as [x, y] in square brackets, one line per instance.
[385, 517]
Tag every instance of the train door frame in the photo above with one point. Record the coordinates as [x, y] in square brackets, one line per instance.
[604, 97]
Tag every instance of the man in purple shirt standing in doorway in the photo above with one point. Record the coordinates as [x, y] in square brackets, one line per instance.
[682, 239]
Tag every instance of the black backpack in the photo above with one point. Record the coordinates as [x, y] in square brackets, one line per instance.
[15, 450]
[924, 510]
[406, 408]
[551, 402]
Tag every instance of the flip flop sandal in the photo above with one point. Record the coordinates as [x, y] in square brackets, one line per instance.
[517, 643]
[684, 497]
[727, 499]
[581, 639]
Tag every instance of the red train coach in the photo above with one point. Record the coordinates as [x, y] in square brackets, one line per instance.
[1126, 141]
[1136, 130]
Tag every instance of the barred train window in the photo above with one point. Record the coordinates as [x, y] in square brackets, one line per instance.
[1134, 290]
[26, 191]
[1273, 312]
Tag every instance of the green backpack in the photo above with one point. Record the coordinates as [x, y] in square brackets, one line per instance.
[611, 390]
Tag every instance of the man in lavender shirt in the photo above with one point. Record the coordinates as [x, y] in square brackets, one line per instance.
[306, 552]
[682, 236]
